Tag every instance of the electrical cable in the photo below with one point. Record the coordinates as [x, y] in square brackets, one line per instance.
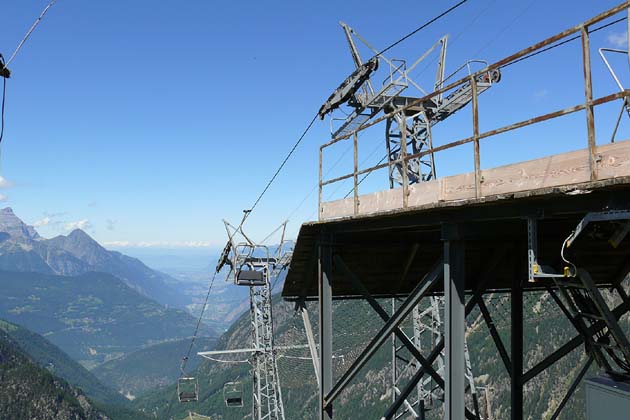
[505, 28]
[454, 39]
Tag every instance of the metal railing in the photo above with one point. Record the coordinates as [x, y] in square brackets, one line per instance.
[588, 105]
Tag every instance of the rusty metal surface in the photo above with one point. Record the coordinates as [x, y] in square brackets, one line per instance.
[588, 105]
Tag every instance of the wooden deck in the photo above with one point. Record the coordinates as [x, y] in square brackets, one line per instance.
[390, 247]
[564, 170]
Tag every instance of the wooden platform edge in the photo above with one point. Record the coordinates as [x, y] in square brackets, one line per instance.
[569, 171]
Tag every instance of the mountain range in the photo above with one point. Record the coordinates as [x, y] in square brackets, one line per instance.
[23, 249]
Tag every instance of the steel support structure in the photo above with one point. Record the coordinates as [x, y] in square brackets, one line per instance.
[424, 363]
[516, 338]
[325, 327]
[251, 265]
[454, 324]
[267, 396]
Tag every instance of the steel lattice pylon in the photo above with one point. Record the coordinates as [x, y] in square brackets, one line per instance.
[408, 128]
[252, 265]
[427, 330]
[267, 397]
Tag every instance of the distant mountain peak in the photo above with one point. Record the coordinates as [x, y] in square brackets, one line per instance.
[79, 234]
[15, 227]
[23, 250]
[8, 211]
[82, 246]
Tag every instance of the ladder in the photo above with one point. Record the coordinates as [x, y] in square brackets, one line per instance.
[590, 314]
[584, 304]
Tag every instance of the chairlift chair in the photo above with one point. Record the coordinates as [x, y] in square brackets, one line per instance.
[250, 278]
[233, 394]
[187, 389]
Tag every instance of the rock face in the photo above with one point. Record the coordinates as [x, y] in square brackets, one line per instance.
[15, 228]
[23, 250]
[31, 392]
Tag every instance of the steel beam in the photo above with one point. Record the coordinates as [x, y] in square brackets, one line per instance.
[385, 317]
[572, 388]
[572, 344]
[310, 339]
[470, 305]
[421, 290]
[454, 325]
[494, 334]
[325, 326]
[516, 338]
[408, 389]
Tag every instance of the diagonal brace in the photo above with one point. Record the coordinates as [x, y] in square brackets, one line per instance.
[572, 344]
[494, 334]
[425, 285]
[385, 317]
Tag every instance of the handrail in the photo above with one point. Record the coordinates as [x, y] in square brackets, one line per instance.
[588, 105]
[497, 131]
[494, 66]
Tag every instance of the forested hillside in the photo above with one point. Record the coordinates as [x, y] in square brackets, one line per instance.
[94, 317]
[31, 392]
[151, 367]
[48, 356]
[546, 329]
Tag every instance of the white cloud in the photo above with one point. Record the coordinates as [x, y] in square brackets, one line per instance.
[44, 222]
[618, 39]
[111, 224]
[3, 198]
[5, 183]
[82, 224]
[159, 244]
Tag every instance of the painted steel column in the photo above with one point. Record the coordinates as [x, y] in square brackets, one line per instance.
[325, 325]
[310, 338]
[517, 382]
[454, 324]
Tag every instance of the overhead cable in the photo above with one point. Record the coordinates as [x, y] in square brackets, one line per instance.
[4, 96]
[566, 41]
[275, 175]
[526, 57]
[415, 31]
[308, 127]
[30, 31]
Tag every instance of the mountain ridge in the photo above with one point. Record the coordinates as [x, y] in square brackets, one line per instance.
[23, 249]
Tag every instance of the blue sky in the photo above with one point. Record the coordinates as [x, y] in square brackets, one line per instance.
[147, 122]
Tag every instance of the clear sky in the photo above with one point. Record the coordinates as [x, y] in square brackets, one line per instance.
[146, 122]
